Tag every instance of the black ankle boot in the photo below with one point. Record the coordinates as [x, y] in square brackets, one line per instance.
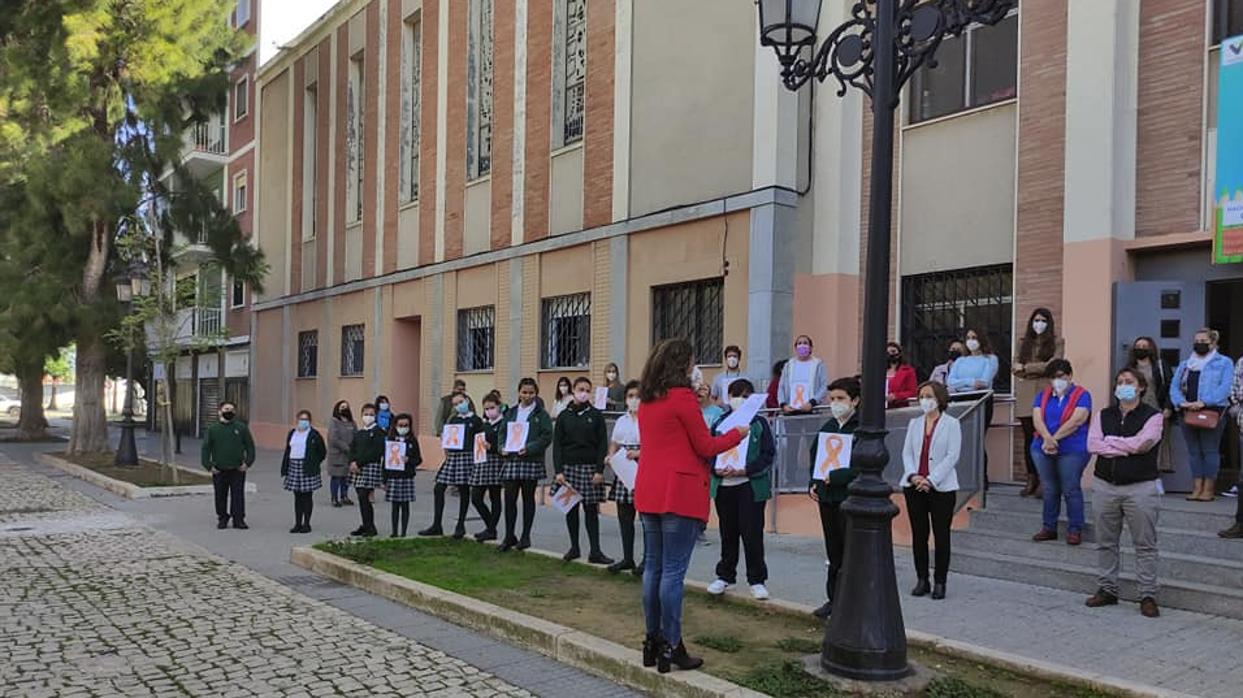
[921, 588]
[459, 532]
[433, 530]
[524, 543]
[508, 544]
[652, 646]
[676, 657]
[938, 591]
[571, 554]
[621, 566]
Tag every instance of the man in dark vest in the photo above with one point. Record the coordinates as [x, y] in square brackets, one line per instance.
[228, 452]
[1124, 437]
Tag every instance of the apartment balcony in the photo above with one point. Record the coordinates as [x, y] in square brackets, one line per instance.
[206, 147]
[198, 324]
[191, 249]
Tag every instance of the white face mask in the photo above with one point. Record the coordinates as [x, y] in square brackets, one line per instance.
[1039, 326]
[632, 404]
[368, 420]
[383, 406]
[731, 362]
[1060, 385]
[840, 410]
[973, 345]
[736, 402]
[928, 405]
[403, 430]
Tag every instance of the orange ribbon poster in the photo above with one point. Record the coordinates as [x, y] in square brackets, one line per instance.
[481, 448]
[832, 453]
[733, 459]
[516, 436]
[799, 397]
[394, 455]
[454, 437]
[565, 499]
[601, 399]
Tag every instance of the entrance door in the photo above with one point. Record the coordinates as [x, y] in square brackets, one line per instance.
[1225, 314]
[1170, 312]
[403, 387]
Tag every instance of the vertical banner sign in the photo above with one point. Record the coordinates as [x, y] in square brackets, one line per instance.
[1228, 197]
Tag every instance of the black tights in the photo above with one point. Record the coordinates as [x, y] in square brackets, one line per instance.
[303, 502]
[438, 496]
[512, 487]
[490, 515]
[365, 508]
[625, 521]
[592, 514]
[400, 513]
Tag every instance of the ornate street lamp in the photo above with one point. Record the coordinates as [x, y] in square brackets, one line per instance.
[134, 285]
[877, 50]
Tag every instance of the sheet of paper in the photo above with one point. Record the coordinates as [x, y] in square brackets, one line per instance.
[601, 400]
[733, 459]
[481, 448]
[625, 469]
[394, 455]
[800, 395]
[565, 499]
[743, 415]
[516, 436]
[453, 438]
[832, 453]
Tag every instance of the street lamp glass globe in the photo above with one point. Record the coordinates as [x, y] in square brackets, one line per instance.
[788, 26]
[125, 292]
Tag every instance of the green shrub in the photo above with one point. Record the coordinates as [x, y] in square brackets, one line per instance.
[799, 645]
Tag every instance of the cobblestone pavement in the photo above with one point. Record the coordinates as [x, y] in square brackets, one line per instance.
[93, 605]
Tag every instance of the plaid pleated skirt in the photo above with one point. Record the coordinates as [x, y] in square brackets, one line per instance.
[456, 469]
[296, 480]
[488, 473]
[368, 476]
[399, 489]
[579, 477]
[620, 493]
[523, 470]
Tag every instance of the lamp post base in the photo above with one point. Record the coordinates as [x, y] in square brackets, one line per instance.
[127, 449]
[915, 683]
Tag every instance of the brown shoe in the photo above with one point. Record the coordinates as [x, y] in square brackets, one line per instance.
[1235, 531]
[1044, 534]
[1148, 607]
[1033, 484]
[1101, 598]
[1074, 538]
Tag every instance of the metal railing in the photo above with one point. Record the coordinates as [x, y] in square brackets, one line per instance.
[206, 321]
[208, 137]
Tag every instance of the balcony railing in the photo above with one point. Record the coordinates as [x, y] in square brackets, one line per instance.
[206, 321]
[208, 138]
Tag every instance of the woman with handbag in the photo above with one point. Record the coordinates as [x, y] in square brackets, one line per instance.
[1201, 391]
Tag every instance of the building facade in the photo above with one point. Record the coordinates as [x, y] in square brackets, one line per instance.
[539, 187]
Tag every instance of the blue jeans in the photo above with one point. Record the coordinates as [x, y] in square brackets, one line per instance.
[1204, 449]
[1061, 476]
[339, 485]
[670, 540]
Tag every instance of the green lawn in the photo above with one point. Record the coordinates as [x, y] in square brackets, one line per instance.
[758, 647]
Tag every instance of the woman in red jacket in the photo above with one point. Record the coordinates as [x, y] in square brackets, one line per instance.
[671, 493]
[900, 382]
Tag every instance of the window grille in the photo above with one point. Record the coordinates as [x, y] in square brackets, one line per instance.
[575, 69]
[411, 105]
[308, 354]
[694, 311]
[479, 138]
[352, 344]
[476, 338]
[940, 307]
[566, 337]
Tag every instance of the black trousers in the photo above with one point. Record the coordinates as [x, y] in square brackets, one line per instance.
[741, 518]
[230, 487]
[930, 512]
[1029, 435]
[833, 526]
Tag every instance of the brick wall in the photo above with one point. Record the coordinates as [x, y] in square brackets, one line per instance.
[323, 114]
[371, 135]
[602, 336]
[392, 137]
[598, 127]
[502, 126]
[539, 116]
[338, 223]
[455, 146]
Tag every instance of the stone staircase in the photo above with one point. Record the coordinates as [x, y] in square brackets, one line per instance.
[1199, 571]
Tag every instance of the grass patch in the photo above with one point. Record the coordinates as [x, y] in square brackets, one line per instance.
[763, 650]
[147, 473]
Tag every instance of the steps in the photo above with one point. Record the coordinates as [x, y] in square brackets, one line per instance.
[1198, 571]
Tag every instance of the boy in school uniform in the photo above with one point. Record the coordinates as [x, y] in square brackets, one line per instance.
[228, 451]
[843, 399]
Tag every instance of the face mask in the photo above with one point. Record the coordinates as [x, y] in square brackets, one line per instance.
[973, 345]
[462, 407]
[953, 354]
[492, 413]
[1200, 348]
[564, 389]
[840, 410]
[303, 424]
[1060, 385]
[402, 431]
[582, 396]
[894, 358]
[1143, 354]
[346, 414]
[731, 362]
[803, 351]
[632, 404]
[611, 376]
[928, 405]
[383, 405]
[1126, 393]
[736, 402]
[226, 416]
[1039, 326]
[368, 420]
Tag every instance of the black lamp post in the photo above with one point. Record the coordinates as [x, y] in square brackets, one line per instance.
[877, 50]
[135, 285]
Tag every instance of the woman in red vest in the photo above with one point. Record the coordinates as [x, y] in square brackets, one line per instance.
[671, 494]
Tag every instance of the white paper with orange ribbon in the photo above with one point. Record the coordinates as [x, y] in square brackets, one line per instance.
[733, 459]
[601, 399]
[800, 395]
[516, 436]
[395, 455]
[454, 437]
[481, 448]
[832, 453]
[625, 469]
[565, 499]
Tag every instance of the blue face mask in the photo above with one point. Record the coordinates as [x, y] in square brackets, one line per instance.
[304, 424]
[1126, 393]
[462, 407]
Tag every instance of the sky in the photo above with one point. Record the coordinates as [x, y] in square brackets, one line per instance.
[284, 19]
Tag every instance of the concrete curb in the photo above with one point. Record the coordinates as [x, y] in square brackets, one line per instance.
[566, 645]
[127, 489]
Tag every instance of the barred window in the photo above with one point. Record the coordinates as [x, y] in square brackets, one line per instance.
[694, 311]
[479, 96]
[354, 106]
[940, 307]
[569, 72]
[411, 106]
[352, 344]
[566, 340]
[476, 338]
[308, 354]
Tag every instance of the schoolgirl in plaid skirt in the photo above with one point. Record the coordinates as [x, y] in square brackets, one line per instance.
[626, 436]
[524, 467]
[305, 451]
[366, 463]
[580, 442]
[458, 440]
[399, 484]
[485, 479]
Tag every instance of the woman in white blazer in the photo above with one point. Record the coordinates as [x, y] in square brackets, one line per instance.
[930, 483]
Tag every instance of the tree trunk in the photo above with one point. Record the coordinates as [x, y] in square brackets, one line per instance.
[32, 425]
[51, 403]
[90, 423]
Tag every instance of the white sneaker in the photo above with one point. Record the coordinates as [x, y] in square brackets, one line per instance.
[1232, 492]
[759, 592]
[718, 587]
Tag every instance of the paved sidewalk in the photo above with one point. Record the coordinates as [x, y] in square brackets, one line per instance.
[1180, 651]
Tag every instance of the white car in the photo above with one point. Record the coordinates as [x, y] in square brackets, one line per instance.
[10, 406]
